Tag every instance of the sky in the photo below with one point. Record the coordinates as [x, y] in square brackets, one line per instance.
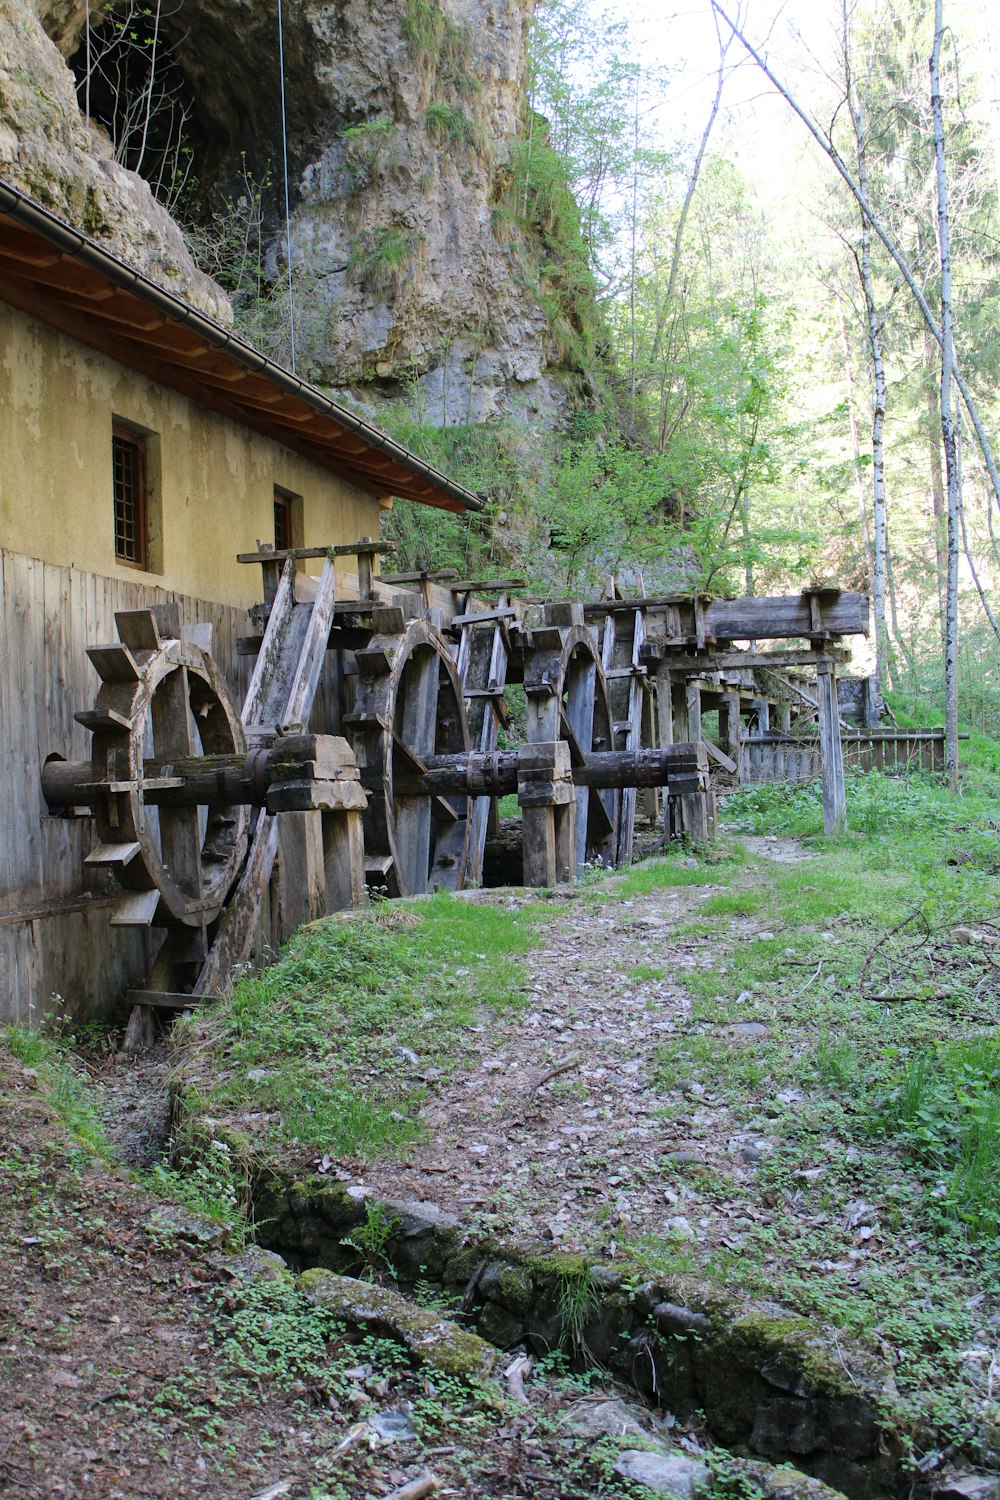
[799, 39]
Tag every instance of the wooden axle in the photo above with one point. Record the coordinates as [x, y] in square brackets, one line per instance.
[293, 774]
[263, 778]
[498, 773]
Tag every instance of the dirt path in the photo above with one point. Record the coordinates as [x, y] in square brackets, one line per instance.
[561, 1128]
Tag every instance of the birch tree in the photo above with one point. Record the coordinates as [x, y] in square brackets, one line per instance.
[949, 437]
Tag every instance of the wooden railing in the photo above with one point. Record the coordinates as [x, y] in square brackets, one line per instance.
[784, 757]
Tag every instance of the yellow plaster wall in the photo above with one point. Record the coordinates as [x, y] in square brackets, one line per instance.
[215, 479]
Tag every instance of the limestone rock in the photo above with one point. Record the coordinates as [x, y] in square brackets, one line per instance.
[613, 1416]
[48, 150]
[413, 276]
[431, 1340]
[664, 1474]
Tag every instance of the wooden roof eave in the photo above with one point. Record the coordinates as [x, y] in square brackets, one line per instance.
[55, 274]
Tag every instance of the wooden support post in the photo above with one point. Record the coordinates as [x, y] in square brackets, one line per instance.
[547, 799]
[538, 840]
[679, 709]
[690, 799]
[693, 696]
[781, 754]
[647, 739]
[664, 707]
[564, 820]
[344, 860]
[664, 727]
[302, 888]
[729, 727]
[831, 751]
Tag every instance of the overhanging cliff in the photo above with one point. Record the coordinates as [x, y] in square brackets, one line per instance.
[417, 272]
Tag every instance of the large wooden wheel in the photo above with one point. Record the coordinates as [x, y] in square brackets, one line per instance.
[156, 707]
[409, 706]
[568, 699]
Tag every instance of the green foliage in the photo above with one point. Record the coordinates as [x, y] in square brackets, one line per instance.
[368, 148]
[450, 125]
[437, 41]
[425, 27]
[578, 1302]
[730, 1480]
[380, 260]
[371, 1238]
[65, 1088]
[946, 1112]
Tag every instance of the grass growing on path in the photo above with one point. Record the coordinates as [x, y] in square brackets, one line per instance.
[326, 1049]
[846, 1023]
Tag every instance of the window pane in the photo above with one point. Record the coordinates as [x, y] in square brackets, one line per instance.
[282, 522]
[130, 509]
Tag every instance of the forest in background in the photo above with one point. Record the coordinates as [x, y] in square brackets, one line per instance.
[767, 395]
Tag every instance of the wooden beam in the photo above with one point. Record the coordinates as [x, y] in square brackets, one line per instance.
[831, 753]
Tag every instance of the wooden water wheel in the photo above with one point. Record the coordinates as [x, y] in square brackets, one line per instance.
[409, 707]
[162, 701]
[568, 699]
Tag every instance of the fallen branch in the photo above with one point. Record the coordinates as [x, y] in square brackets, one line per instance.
[811, 980]
[563, 1067]
[884, 939]
[426, 1484]
[515, 1374]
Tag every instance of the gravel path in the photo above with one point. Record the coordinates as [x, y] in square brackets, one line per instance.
[560, 1131]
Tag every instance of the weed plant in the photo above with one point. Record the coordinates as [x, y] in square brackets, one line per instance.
[451, 126]
[380, 261]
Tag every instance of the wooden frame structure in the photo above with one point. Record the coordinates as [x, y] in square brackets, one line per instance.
[398, 788]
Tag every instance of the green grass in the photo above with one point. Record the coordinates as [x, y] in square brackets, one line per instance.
[732, 904]
[946, 1113]
[644, 973]
[66, 1090]
[449, 125]
[380, 261]
[678, 868]
[319, 1043]
[876, 1084]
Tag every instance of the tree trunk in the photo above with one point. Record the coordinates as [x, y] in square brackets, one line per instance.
[937, 478]
[874, 324]
[948, 429]
[852, 422]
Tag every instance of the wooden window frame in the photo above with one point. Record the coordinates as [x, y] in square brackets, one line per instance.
[136, 442]
[283, 502]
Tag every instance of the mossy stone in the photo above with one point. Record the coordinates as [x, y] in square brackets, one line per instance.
[429, 1339]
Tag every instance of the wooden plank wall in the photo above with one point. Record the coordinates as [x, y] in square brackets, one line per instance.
[56, 949]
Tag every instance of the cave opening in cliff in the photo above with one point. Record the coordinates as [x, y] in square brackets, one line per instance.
[189, 94]
[129, 81]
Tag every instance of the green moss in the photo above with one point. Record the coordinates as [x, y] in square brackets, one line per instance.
[428, 1339]
[766, 1339]
[516, 1288]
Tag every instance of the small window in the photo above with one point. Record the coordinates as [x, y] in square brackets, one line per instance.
[287, 520]
[128, 450]
[282, 521]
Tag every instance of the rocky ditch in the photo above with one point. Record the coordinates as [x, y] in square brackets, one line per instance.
[772, 1386]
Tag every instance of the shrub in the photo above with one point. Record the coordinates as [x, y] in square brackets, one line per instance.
[450, 125]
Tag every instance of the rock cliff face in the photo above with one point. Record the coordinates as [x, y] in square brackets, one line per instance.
[48, 150]
[412, 276]
[402, 239]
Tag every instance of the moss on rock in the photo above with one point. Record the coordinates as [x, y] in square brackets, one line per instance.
[430, 1340]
